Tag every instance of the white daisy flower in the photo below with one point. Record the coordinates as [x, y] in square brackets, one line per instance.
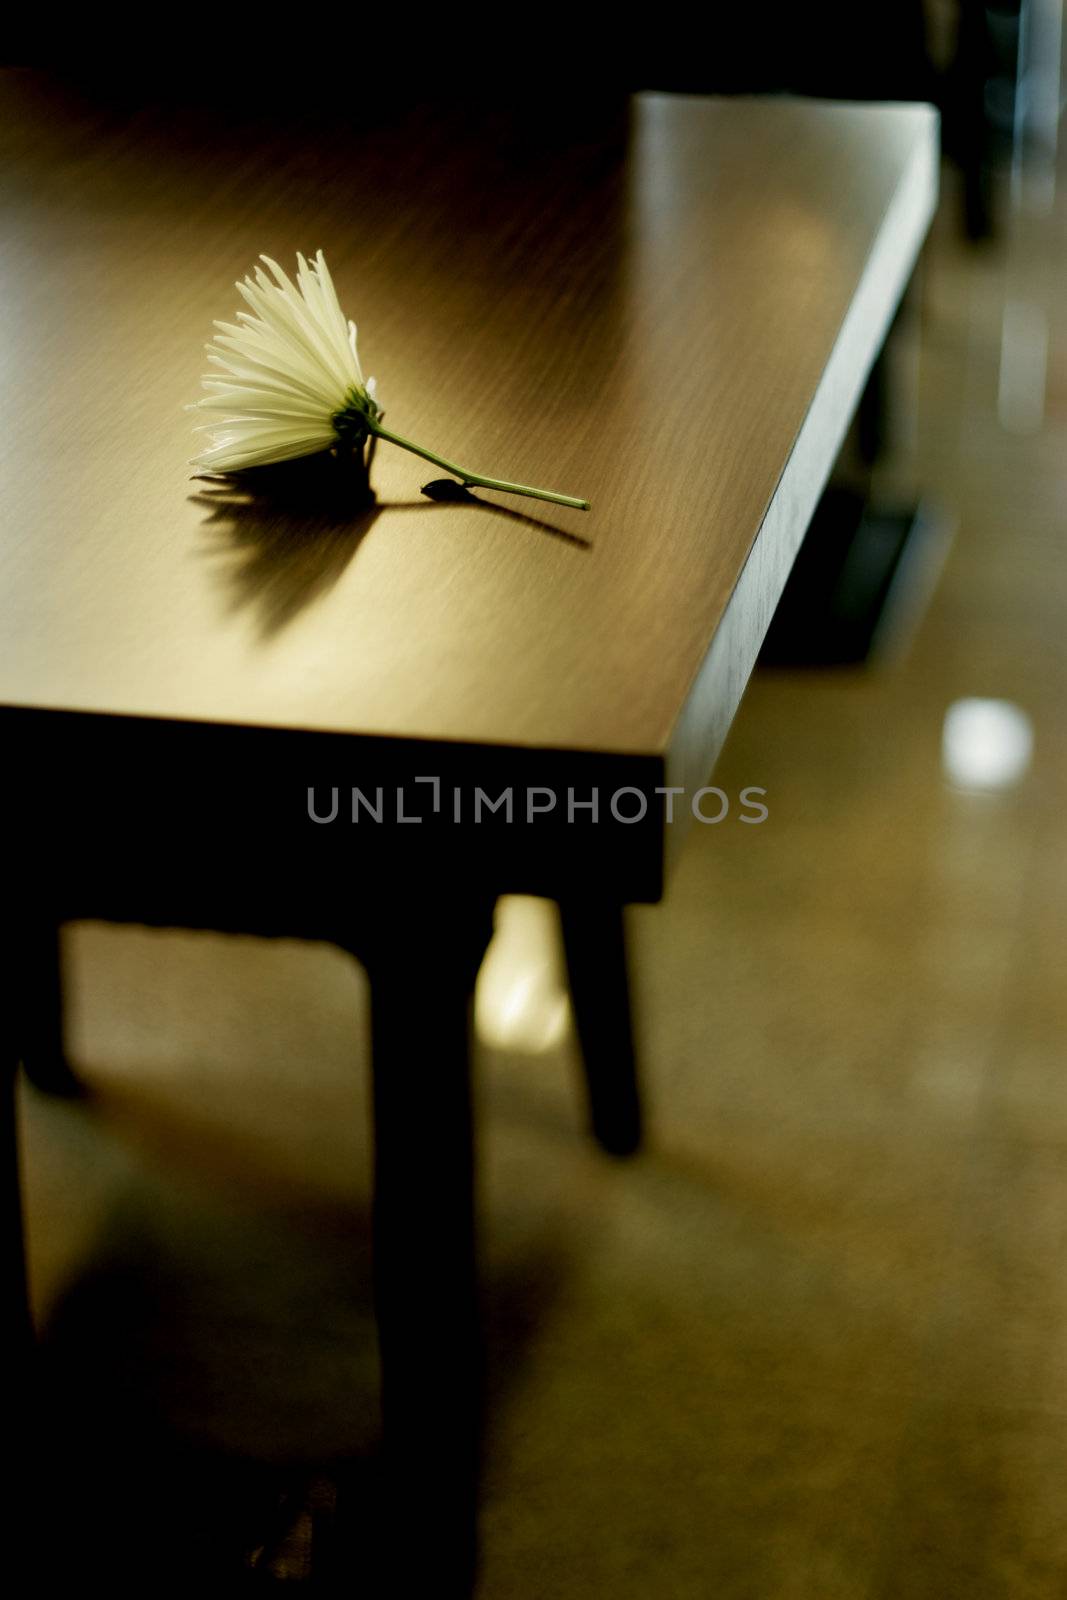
[287, 382]
[286, 373]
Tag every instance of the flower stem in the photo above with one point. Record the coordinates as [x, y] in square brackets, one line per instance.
[475, 478]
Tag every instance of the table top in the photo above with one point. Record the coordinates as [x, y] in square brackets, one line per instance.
[667, 305]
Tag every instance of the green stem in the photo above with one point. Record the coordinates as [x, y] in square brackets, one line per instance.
[475, 478]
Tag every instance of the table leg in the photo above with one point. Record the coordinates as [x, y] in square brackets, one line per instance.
[20, 1419]
[594, 939]
[422, 974]
[41, 962]
[19, 1324]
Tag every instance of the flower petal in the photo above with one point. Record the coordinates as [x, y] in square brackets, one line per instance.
[283, 370]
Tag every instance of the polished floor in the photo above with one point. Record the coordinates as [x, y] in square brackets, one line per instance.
[812, 1342]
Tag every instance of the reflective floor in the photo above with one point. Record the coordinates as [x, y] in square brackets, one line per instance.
[813, 1342]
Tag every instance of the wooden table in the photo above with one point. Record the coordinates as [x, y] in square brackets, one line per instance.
[669, 306]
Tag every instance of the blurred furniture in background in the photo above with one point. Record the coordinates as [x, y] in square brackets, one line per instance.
[993, 67]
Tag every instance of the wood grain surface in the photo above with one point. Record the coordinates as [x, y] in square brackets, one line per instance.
[671, 312]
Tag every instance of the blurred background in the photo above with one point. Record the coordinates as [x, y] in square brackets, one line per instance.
[812, 1341]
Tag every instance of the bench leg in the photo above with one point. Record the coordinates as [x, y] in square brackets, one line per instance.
[594, 939]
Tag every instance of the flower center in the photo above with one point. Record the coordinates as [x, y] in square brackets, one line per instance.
[352, 422]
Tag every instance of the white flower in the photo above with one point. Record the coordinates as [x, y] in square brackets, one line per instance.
[288, 383]
[288, 380]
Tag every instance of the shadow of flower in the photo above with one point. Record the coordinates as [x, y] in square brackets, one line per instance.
[288, 532]
[447, 491]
